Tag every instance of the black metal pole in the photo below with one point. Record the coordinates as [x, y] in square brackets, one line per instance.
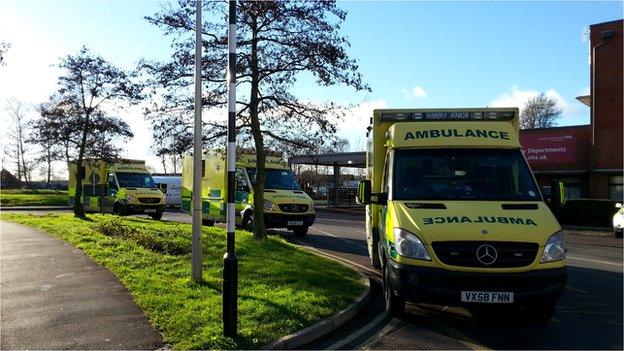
[230, 262]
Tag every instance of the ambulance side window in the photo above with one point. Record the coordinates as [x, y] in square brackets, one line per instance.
[384, 179]
[241, 181]
[111, 185]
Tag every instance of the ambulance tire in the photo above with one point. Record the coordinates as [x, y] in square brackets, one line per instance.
[540, 313]
[374, 253]
[119, 209]
[247, 222]
[395, 305]
[157, 216]
[208, 222]
[300, 231]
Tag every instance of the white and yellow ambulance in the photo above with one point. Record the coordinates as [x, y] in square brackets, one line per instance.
[285, 204]
[454, 215]
[120, 187]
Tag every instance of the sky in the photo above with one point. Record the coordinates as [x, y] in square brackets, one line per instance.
[411, 53]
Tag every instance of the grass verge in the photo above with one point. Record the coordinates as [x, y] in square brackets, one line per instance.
[33, 197]
[282, 288]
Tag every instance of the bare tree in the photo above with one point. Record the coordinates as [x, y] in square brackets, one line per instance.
[277, 40]
[540, 111]
[4, 47]
[89, 88]
[45, 133]
[18, 132]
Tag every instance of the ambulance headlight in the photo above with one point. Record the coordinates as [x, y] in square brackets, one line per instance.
[269, 206]
[130, 198]
[312, 208]
[555, 248]
[408, 245]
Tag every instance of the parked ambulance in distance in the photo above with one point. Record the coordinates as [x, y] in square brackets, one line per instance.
[119, 187]
[454, 215]
[285, 204]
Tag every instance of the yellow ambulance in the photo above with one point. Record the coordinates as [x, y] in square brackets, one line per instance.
[285, 204]
[454, 215]
[119, 187]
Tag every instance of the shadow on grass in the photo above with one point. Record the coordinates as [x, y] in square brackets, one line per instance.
[84, 218]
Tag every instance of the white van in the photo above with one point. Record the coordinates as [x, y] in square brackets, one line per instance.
[172, 188]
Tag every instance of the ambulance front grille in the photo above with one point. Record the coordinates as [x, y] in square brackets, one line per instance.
[464, 253]
[149, 200]
[294, 208]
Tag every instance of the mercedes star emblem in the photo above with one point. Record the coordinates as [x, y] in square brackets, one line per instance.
[486, 254]
[295, 208]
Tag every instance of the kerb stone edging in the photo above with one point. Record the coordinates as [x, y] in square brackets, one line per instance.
[327, 325]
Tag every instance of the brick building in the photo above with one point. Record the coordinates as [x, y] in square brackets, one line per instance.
[588, 158]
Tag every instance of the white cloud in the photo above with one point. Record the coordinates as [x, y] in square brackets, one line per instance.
[517, 97]
[585, 91]
[353, 126]
[415, 92]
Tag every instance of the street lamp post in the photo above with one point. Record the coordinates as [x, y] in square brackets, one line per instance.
[230, 262]
[196, 249]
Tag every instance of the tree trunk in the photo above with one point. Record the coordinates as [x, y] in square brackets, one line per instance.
[163, 159]
[19, 165]
[21, 148]
[49, 159]
[78, 206]
[259, 229]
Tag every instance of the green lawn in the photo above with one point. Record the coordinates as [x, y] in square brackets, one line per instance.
[33, 197]
[282, 288]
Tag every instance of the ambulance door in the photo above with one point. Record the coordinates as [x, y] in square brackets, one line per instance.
[111, 193]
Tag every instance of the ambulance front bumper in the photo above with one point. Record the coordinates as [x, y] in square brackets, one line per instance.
[440, 286]
[145, 208]
[278, 220]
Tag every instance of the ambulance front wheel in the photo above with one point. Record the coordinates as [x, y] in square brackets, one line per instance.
[374, 254]
[156, 216]
[119, 209]
[208, 222]
[395, 305]
[300, 231]
[247, 223]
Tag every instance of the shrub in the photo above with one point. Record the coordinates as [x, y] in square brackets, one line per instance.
[167, 241]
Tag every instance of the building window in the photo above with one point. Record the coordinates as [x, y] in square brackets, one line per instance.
[616, 187]
[573, 188]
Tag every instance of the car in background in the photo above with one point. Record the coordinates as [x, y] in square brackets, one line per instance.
[171, 185]
[618, 221]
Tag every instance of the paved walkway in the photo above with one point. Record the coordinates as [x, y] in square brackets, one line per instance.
[54, 297]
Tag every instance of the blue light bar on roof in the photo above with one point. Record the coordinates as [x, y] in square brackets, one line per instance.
[447, 115]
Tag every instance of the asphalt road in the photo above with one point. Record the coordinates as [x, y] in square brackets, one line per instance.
[588, 316]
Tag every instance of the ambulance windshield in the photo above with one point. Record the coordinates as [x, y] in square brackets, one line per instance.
[135, 180]
[463, 174]
[280, 179]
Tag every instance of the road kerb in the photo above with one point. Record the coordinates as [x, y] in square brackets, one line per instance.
[327, 325]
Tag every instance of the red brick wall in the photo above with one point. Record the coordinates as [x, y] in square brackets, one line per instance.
[608, 101]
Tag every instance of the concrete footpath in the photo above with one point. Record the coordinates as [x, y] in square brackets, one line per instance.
[54, 297]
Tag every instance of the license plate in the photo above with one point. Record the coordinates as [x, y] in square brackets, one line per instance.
[293, 223]
[150, 210]
[487, 297]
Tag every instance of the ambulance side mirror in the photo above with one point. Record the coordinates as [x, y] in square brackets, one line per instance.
[558, 193]
[162, 187]
[364, 192]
